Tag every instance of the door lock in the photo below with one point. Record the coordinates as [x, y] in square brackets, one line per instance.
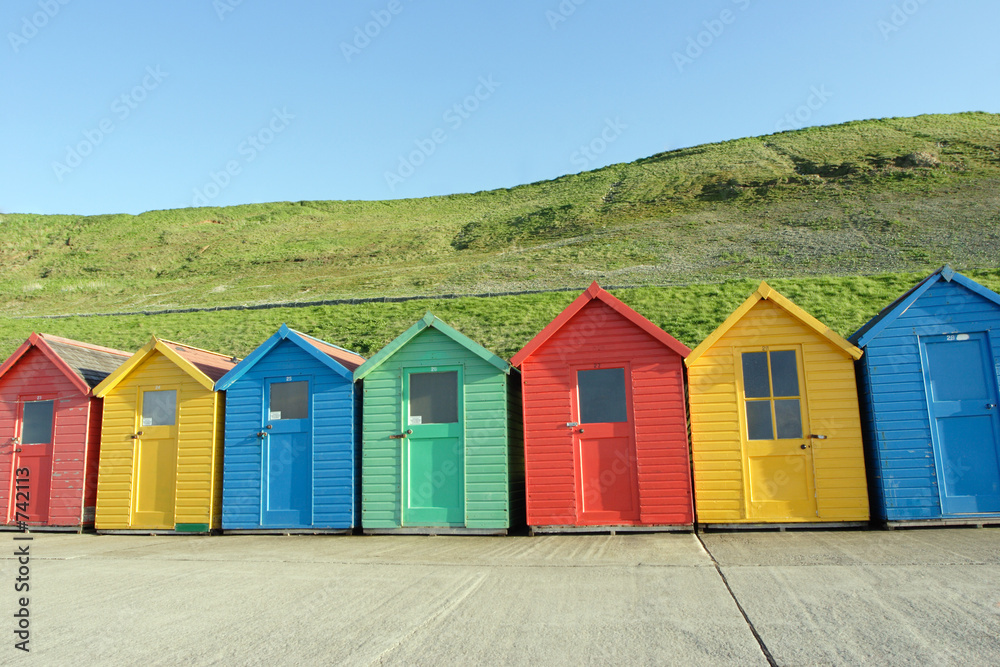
[990, 406]
[400, 436]
[580, 431]
[135, 436]
[803, 446]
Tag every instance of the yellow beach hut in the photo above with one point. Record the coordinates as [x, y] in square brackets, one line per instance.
[775, 423]
[162, 433]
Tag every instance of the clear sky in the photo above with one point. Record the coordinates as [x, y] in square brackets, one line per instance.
[127, 106]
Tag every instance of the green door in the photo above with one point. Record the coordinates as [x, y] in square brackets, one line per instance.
[433, 466]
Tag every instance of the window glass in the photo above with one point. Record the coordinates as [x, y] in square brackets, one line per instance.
[159, 408]
[759, 420]
[956, 370]
[434, 398]
[37, 422]
[788, 416]
[602, 396]
[755, 382]
[784, 373]
[289, 400]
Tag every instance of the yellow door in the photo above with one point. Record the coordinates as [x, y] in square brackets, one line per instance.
[155, 474]
[777, 454]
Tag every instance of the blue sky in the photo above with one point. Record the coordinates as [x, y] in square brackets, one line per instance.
[125, 106]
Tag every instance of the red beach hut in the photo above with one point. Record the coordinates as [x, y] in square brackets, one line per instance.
[605, 428]
[50, 430]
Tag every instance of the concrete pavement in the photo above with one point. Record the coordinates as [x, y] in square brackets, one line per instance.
[902, 597]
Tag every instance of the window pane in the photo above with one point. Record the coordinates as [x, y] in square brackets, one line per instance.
[37, 425]
[289, 400]
[956, 370]
[755, 382]
[784, 373]
[159, 408]
[759, 420]
[789, 418]
[434, 398]
[602, 396]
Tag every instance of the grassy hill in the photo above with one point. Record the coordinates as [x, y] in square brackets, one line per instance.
[895, 197]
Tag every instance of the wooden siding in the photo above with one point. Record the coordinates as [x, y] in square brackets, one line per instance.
[487, 502]
[716, 426]
[35, 375]
[898, 424]
[199, 436]
[598, 334]
[332, 412]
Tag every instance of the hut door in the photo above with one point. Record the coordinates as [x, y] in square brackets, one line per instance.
[287, 462]
[34, 452]
[962, 398]
[433, 470]
[604, 445]
[155, 474]
[778, 460]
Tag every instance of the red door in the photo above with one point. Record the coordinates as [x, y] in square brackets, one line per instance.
[604, 445]
[33, 460]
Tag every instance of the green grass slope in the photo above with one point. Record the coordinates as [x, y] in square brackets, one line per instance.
[880, 196]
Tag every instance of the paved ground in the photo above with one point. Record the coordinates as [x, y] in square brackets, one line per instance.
[813, 598]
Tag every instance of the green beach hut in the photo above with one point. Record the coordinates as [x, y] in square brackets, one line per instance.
[442, 450]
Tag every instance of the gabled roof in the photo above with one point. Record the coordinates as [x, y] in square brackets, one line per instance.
[83, 364]
[340, 361]
[765, 291]
[591, 293]
[887, 315]
[204, 366]
[430, 321]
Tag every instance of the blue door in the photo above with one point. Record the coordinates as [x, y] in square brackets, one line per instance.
[962, 398]
[286, 484]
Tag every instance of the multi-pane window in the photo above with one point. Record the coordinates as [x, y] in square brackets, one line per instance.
[771, 391]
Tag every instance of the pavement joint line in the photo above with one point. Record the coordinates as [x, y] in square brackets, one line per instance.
[753, 630]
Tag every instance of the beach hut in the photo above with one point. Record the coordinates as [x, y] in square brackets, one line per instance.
[441, 444]
[605, 429]
[290, 437]
[929, 387]
[161, 441]
[775, 424]
[50, 427]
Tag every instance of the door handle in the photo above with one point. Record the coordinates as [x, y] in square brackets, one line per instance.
[401, 435]
[262, 434]
[990, 406]
[135, 436]
[803, 446]
[580, 431]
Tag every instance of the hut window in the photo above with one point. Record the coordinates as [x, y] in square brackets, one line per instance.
[602, 396]
[159, 408]
[36, 426]
[289, 400]
[771, 391]
[434, 398]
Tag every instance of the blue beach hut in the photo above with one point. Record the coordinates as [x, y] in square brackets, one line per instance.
[929, 391]
[291, 438]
